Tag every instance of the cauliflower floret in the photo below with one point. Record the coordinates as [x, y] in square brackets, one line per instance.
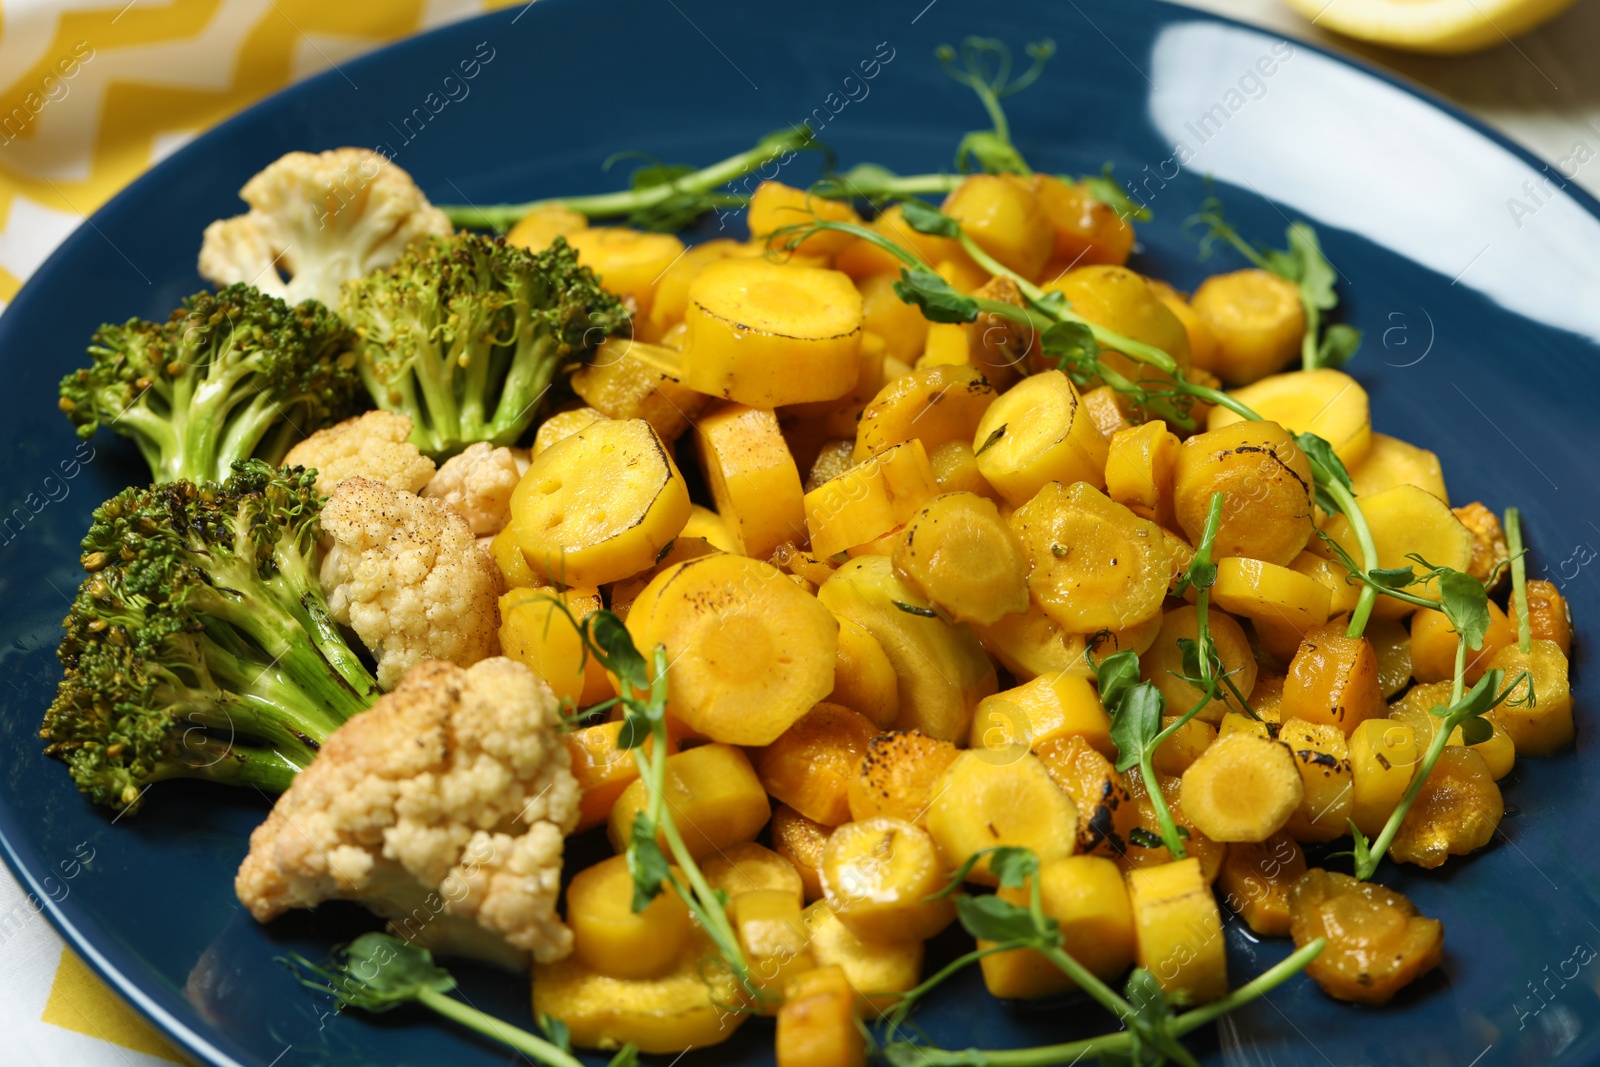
[323, 220]
[444, 809]
[375, 445]
[478, 484]
[408, 576]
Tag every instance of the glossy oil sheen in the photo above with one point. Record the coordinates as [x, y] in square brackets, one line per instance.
[1481, 327]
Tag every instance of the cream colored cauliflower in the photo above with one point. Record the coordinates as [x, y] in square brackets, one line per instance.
[321, 220]
[408, 576]
[376, 445]
[478, 484]
[443, 808]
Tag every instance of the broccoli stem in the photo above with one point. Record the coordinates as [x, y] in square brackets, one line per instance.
[481, 361]
[226, 762]
[297, 586]
[437, 433]
[156, 438]
[285, 710]
[289, 651]
[201, 404]
[261, 715]
[245, 432]
[525, 385]
[340, 656]
[698, 184]
[301, 668]
[276, 705]
[194, 438]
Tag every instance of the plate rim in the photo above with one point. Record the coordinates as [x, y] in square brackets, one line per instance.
[86, 934]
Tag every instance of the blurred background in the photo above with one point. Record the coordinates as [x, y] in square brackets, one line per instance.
[92, 93]
[1540, 87]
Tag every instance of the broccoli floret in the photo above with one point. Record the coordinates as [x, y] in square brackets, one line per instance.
[231, 375]
[464, 333]
[200, 645]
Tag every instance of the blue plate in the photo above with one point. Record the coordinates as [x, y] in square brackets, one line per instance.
[1473, 274]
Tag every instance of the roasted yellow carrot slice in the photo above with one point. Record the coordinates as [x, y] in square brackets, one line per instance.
[959, 553]
[664, 1014]
[714, 796]
[1333, 679]
[1000, 797]
[1162, 665]
[1178, 930]
[752, 478]
[1139, 470]
[863, 677]
[600, 505]
[800, 841]
[879, 971]
[811, 764]
[1256, 319]
[775, 206]
[1406, 521]
[899, 775]
[612, 938]
[1257, 878]
[1324, 758]
[772, 935]
[880, 878]
[941, 670]
[1384, 754]
[535, 629]
[749, 651]
[933, 405]
[817, 1022]
[628, 379]
[539, 228]
[746, 867]
[1093, 564]
[1003, 217]
[1035, 433]
[1087, 898]
[1326, 402]
[1242, 788]
[1041, 710]
[627, 262]
[1377, 943]
[869, 500]
[1390, 462]
[1087, 230]
[1265, 480]
[767, 334]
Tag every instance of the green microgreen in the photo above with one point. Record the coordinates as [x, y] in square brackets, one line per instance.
[644, 702]
[378, 973]
[985, 66]
[660, 196]
[1519, 579]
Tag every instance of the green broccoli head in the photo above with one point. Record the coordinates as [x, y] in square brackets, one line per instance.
[464, 334]
[230, 376]
[199, 644]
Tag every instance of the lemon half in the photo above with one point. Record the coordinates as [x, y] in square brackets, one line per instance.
[1443, 26]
